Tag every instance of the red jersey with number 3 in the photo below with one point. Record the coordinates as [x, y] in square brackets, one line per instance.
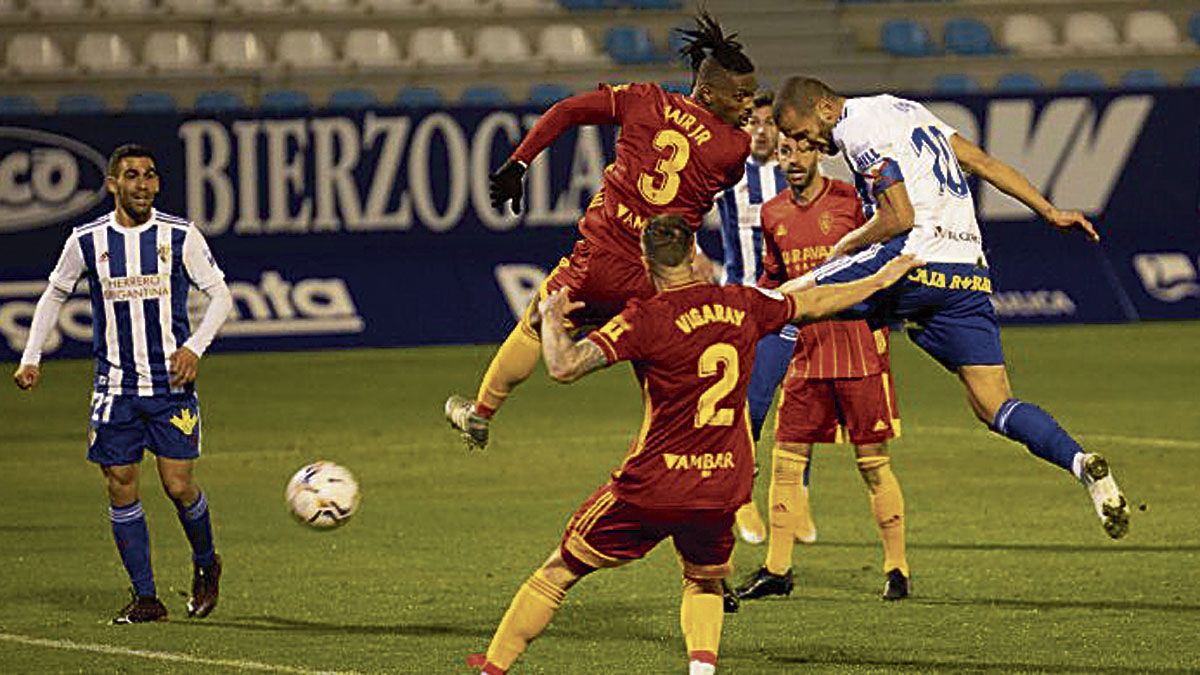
[673, 156]
[692, 348]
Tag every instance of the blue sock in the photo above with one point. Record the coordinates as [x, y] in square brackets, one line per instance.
[133, 542]
[198, 527]
[1029, 424]
[807, 468]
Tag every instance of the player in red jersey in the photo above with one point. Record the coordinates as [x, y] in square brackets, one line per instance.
[674, 155]
[838, 377]
[690, 467]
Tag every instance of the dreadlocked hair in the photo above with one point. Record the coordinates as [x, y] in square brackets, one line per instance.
[706, 40]
[667, 241]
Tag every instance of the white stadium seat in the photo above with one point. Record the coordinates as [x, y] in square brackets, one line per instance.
[1152, 31]
[34, 54]
[192, 7]
[260, 6]
[1091, 32]
[502, 45]
[1028, 34]
[437, 47]
[329, 6]
[9, 9]
[171, 51]
[103, 53]
[395, 6]
[129, 8]
[568, 44]
[464, 7]
[371, 48]
[237, 50]
[528, 6]
[304, 50]
[57, 7]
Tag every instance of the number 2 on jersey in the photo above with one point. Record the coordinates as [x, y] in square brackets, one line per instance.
[667, 168]
[945, 164]
[710, 365]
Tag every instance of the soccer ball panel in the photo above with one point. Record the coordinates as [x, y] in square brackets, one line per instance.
[323, 495]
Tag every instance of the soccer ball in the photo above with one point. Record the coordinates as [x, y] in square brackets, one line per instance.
[323, 495]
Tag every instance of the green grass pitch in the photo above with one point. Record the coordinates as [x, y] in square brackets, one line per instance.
[1012, 572]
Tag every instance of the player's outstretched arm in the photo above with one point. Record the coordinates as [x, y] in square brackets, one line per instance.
[567, 360]
[822, 302]
[1014, 184]
[45, 315]
[893, 217]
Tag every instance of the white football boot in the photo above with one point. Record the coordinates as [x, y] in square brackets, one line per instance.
[1111, 506]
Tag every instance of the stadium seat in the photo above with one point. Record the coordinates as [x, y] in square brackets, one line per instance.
[904, 37]
[660, 5]
[18, 104]
[237, 51]
[103, 53]
[285, 101]
[170, 51]
[1152, 31]
[80, 103]
[150, 102]
[34, 54]
[568, 44]
[587, 5]
[435, 46]
[968, 37]
[1194, 26]
[1090, 32]
[676, 87]
[420, 97]
[631, 45]
[955, 83]
[57, 8]
[352, 99]
[328, 6]
[502, 45]
[527, 6]
[1085, 80]
[9, 9]
[394, 6]
[304, 50]
[1192, 78]
[460, 7]
[1143, 78]
[1028, 34]
[213, 102]
[547, 94]
[484, 96]
[190, 8]
[259, 6]
[126, 8]
[371, 48]
[1018, 83]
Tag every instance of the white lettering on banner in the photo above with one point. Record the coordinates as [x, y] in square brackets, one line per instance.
[286, 177]
[394, 131]
[247, 143]
[1033, 303]
[336, 152]
[46, 178]
[206, 161]
[519, 284]
[1168, 276]
[418, 171]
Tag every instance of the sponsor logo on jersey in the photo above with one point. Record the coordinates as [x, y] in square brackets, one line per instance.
[940, 232]
[1168, 277]
[46, 179]
[864, 159]
[706, 463]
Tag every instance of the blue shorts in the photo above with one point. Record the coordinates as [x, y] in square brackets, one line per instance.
[945, 305]
[123, 427]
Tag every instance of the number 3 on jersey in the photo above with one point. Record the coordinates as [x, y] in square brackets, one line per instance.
[667, 168]
[719, 359]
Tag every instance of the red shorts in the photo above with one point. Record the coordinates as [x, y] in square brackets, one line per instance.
[818, 411]
[609, 532]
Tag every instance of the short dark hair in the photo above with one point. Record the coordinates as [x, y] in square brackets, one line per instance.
[765, 97]
[667, 240]
[125, 151]
[801, 94]
[707, 43]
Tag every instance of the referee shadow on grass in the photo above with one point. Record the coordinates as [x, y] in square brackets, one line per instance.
[270, 623]
[958, 666]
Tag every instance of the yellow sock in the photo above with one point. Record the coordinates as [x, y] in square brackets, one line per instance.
[512, 365]
[887, 504]
[787, 507]
[700, 616]
[528, 615]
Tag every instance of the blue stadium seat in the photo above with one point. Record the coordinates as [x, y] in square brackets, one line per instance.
[1194, 26]
[352, 99]
[1087, 80]
[1018, 83]
[420, 97]
[677, 87]
[285, 101]
[955, 83]
[655, 4]
[15, 104]
[1143, 78]
[215, 102]
[150, 102]
[547, 94]
[968, 36]
[484, 96]
[80, 103]
[631, 45]
[904, 37]
[587, 5]
[1192, 78]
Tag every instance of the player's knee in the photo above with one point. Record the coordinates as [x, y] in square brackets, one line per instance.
[122, 494]
[180, 488]
[869, 467]
[708, 586]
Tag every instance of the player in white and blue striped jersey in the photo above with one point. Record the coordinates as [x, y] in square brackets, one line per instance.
[139, 264]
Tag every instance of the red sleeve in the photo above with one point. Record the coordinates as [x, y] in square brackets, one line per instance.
[593, 107]
[620, 339]
[772, 310]
[773, 273]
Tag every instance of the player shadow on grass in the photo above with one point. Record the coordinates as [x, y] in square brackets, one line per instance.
[269, 623]
[836, 658]
[1113, 549]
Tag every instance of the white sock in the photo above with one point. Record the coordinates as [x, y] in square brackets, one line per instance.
[1077, 465]
[701, 668]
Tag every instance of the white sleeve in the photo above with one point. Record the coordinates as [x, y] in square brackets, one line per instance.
[873, 152]
[70, 266]
[45, 316]
[220, 303]
[198, 261]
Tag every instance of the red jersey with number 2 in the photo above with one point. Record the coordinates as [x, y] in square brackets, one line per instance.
[692, 348]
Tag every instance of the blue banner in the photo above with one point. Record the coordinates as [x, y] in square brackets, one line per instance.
[374, 229]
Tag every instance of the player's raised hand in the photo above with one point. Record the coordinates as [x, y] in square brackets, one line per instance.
[27, 376]
[183, 366]
[897, 268]
[557, 305]
[507, 183]
[1070, 220]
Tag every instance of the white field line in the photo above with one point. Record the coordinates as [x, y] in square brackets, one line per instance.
[175, 657]
[1109, 439]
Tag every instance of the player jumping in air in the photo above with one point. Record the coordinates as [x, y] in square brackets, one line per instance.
[908, 166]
[139, 263]
[839, 377]
[690, 467]
[674, 154]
